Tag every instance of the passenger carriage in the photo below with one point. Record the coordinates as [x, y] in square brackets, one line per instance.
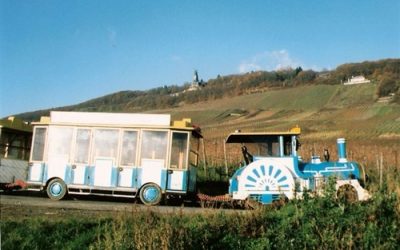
[15, 141]
[114, 154]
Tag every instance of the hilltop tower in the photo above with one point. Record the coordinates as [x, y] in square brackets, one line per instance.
[196, 83]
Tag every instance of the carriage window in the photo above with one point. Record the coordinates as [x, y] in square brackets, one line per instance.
[38, 144]
[154, 148]
[194, 151]
[60, 142]
[179, 150]
[105, 143]
[128, 154]
[14, 145]
[82, 146]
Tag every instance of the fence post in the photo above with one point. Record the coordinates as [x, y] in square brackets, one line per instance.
[226, 162]
[381, 171]
[204, 156]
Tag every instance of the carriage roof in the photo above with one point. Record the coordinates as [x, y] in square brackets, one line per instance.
[126, 120]
[15, 124]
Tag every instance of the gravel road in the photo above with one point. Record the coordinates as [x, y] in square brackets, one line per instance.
[20, 204]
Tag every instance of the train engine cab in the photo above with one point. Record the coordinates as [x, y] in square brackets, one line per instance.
[272, 169]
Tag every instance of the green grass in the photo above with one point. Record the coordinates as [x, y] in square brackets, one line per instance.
[313, 223]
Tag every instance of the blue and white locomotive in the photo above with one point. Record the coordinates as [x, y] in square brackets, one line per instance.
[278, 171]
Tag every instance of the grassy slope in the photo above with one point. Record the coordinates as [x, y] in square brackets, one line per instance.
[321, 111]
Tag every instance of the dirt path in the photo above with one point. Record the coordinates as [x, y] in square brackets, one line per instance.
[22, 204]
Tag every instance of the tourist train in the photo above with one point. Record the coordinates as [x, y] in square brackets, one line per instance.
[153, 158]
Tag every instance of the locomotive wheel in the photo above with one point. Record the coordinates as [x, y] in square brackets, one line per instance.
[150, 194]
[347, 193]
[56, 189]
[252, 204]
[283, 200]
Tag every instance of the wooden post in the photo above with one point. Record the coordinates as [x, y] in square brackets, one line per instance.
[204, 156]
[226, 162]
[381, 171]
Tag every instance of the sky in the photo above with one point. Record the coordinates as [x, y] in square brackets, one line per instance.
[57, 53]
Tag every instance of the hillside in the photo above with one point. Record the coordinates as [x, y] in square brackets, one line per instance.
[385, 74]
[367, 115]
[320, 105]
[322, 111]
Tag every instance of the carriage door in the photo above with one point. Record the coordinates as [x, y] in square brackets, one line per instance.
[177, 179]
[105, 148]
[60, 141]
[127, 172]
[80, 166]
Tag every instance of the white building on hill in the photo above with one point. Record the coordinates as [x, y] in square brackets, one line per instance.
[356, 80]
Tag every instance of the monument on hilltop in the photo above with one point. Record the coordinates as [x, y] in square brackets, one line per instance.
[196, 83]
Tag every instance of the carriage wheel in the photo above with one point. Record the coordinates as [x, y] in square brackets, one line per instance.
[56, 189]
[150, 194]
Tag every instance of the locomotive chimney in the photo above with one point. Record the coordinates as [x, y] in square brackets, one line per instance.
[341, 147]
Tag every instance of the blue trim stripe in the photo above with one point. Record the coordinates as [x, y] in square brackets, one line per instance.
[256, 173]
[133, 181]
[134, 178]
[185, 181]
[72, 175]
[67, 174]
[263, 170]
[251, 179]
[284, 178]
[163, 181]
[277, 173]
[86, 176]
[91, 178]
[192, 179]
[139, 178]
[45, 169]
[114, 174]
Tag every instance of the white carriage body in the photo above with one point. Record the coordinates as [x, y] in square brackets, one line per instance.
[114, 154]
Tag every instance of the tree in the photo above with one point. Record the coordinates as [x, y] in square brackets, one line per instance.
[387, 86]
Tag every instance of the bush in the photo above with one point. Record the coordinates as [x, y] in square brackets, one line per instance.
[387, 86]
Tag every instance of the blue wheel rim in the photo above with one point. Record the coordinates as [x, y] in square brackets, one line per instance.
[151, 194]
[56, 189]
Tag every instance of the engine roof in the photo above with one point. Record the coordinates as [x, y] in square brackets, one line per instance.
[259, 137]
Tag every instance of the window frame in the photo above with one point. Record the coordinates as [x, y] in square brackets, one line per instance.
[187, 148]
[93, 157]
[167, 156]
[70, 152]
[44, 154]
[121, 144]
[73, 154]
